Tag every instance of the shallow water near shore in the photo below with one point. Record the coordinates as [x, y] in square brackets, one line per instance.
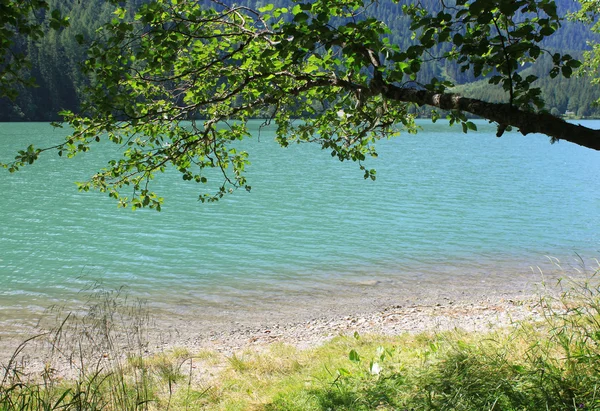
[448, 214]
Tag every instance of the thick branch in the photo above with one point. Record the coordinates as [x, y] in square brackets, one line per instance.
[504, 114]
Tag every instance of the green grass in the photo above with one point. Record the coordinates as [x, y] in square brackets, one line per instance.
[553, 364]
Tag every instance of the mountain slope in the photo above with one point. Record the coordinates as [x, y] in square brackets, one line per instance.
[56, 58]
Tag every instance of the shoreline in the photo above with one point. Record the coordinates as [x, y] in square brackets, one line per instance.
[473, 315]
[113, 327]
[375, 308]
[436, 312]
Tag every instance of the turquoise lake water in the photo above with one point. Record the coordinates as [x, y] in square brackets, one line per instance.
[446, 208]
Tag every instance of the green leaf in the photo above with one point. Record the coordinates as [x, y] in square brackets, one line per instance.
[300, 18]
[353, 356]
[566, 71]
[343, 372]
[120, 12]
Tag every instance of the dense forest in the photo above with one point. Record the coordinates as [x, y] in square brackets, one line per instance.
[56, 58]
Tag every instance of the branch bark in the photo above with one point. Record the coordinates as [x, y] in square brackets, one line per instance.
[504, 114]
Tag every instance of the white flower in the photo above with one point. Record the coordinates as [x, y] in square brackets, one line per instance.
[342, 114]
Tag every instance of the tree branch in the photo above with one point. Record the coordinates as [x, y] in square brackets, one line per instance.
[502, 113]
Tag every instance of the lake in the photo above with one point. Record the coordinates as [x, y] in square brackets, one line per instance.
[447, 210]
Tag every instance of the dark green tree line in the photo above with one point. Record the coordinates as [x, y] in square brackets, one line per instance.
[56, 55]
[47, 78]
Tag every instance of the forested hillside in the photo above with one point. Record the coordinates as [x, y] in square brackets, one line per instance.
[56, 57]
[572, 97]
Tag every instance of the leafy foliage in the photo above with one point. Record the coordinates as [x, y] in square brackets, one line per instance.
[224, 66]
[155, 74]
[496, 37]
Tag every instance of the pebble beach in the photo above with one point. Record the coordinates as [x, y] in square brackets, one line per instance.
[305, 329]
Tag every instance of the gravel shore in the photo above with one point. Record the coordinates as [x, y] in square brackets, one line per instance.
[480, 315]
[468, 314]
[304, 320]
